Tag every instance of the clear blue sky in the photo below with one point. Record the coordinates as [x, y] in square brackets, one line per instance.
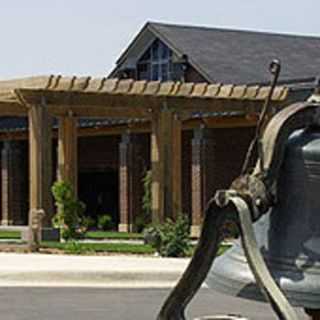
[86, 37]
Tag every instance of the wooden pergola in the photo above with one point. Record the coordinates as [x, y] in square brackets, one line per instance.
[167, 106]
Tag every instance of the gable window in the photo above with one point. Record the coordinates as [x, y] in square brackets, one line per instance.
[155, 63]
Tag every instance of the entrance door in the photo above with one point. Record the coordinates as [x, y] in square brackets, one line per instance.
[99, 191]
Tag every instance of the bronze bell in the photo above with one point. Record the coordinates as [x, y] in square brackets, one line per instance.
[276, 206]
[288, 235]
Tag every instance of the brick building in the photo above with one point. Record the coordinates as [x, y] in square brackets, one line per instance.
[113, 155]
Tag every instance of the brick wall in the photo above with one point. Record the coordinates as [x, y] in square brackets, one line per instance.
[217, 156]
[225, 154]
[101, 154]
[229, 152]
[98, 153]
[224, 158]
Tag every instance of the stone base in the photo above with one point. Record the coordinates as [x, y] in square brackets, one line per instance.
[195, 231]
[6, 222]
[123, 227]
[25, 235]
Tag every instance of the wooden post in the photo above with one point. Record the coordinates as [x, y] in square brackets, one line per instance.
[68, 152]
[40, 170]
[203, 182]
[176, 166]
[166, 165]
[126, 186]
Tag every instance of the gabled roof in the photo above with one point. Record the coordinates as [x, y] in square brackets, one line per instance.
[235, 56]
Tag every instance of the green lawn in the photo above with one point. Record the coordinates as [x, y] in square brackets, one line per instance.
[85, 248]
[112, 235]
[79, 248]
[10, 235]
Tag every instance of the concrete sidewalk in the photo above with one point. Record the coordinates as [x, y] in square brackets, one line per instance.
[91, 271]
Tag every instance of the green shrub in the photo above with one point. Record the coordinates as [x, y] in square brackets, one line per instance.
[105, 222]
[144, 218]
[170, 239]
[69, 216]
[73, 247]
[146, 199]
[89, 223]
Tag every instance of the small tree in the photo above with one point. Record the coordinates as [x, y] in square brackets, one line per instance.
[147, 194]
[69, 217]
[144, 217]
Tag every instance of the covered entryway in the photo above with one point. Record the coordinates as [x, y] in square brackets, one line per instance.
[167, 108]
[99, 190]
[98, 175]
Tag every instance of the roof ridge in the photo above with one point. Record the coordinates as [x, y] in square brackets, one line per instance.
[231, 29]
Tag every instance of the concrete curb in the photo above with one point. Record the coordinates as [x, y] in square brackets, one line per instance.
[91, 271]
[99, 279]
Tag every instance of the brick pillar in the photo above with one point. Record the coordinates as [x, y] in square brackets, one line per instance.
[201, 176]
[13, 184]
[130, 184]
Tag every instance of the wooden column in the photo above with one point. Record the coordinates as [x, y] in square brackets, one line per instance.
[126, 187]
[166, 165]
[68, 152]
[40, 170]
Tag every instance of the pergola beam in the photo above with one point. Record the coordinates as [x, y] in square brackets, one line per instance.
[104, 104]
[89, 104]
[94, 111]
[13, 109]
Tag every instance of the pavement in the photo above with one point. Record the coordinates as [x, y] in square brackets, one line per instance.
[51, 270]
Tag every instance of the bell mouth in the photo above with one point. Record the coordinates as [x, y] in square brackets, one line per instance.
[231, 275]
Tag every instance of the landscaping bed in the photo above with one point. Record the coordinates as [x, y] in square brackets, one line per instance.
[10, 235]
[98, 235]
[94, 248]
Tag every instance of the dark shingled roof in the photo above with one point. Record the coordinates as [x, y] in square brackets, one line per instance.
[234, 56]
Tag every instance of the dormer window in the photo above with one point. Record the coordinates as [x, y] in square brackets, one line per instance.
[155, 63]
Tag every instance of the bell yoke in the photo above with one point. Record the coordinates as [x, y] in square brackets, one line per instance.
[280, 253]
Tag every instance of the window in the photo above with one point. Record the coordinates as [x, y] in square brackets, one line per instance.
[156, 63]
